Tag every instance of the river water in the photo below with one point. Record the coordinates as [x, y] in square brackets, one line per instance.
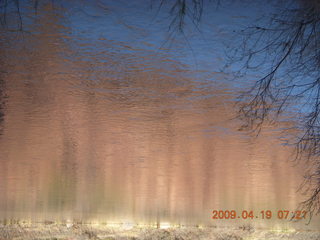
[107, 117]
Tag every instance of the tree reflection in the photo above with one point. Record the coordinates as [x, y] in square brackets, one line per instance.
[2, 101]
[290, 62]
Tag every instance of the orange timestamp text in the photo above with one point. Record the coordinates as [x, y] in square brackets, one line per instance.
[264, 214]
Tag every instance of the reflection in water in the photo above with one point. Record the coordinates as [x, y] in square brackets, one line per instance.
[100, 129]
[2, 93]
[2, 102]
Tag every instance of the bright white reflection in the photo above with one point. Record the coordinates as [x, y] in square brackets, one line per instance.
[128, 225]
[69, 223]
[165, 225]
[113, 225]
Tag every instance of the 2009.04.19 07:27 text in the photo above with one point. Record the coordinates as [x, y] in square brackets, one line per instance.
[264, 214]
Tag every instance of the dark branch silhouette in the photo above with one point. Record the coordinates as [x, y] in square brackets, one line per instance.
[285, 53]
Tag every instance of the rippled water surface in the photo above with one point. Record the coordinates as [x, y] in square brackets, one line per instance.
[104, 119]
